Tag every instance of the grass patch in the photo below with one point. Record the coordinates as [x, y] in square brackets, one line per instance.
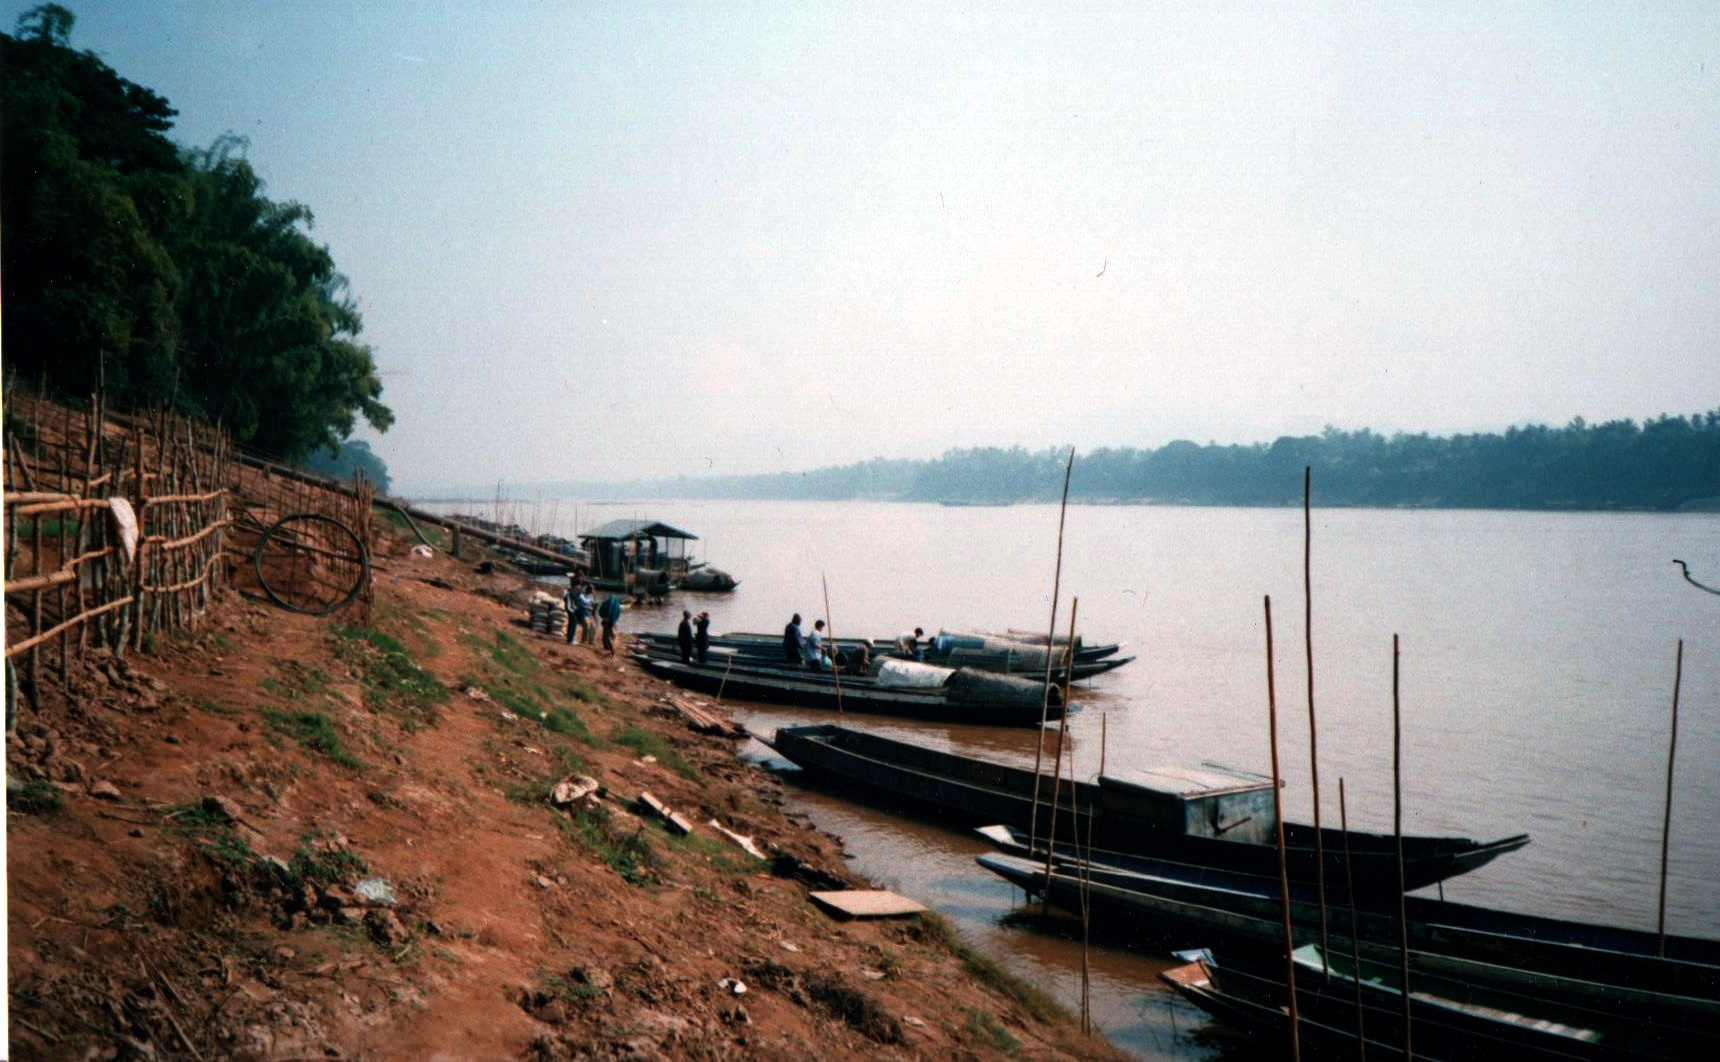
[649, 743]
[397, 519]
[314, 731]
[553, 987]
[932, 929]
[38, 796]
[211, 833]
[393, 681]
[722, 855]
[296, 681]
[318, 859]
[993, 1035]
[627, 853]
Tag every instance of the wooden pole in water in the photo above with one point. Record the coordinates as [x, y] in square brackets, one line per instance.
[1355, 931]
[1313, 731]
[830, 624]
[1397, 834]
[1666, 822]
[1050, 641]
[1278, 825]
[1057, 769]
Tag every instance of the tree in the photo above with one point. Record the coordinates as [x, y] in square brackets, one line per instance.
[162, 276]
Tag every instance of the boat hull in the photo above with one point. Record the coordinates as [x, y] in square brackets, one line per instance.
[980, 792]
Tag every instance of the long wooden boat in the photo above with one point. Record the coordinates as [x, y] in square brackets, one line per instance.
[1461, 939]
[971, 697]
[1625, 988]
[1209, 816]
[751, 653]
[937, 647]
[1449, 1018]
[1250, 1000]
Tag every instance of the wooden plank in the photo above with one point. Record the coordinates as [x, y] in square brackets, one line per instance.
[867, 903]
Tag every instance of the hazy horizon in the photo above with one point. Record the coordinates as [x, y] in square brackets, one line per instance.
[613, 243]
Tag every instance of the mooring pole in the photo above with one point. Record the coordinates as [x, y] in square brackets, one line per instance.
[1278, 825]
[1050, 643]
[1313, 731]
[1397, 833]
[1355, 930]
[1666, 821]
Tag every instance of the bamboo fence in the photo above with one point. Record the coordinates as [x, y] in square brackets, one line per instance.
[71, 480]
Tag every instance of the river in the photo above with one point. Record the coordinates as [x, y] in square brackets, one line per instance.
[1537, 657]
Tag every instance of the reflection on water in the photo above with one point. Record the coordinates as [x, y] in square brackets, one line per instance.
[1536, 679]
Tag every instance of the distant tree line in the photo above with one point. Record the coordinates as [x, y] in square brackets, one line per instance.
[1663, 464]
[157, 275]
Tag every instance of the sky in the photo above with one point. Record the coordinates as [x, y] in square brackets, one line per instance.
[604, 241]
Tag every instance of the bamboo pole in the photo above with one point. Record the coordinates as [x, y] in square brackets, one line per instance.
[835, 672]
[1278, 825]
[1355, 930]
[1313, 730]
[1666, 820]
[1397, 834]
[1057, 769]
[1050, 638]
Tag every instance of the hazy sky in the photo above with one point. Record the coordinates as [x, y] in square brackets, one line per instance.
[599, 241]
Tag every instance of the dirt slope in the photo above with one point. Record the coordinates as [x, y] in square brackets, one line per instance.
[187, 826]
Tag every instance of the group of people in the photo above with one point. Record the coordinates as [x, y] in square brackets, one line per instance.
[585, 614]
[809, 650]
[693, 637]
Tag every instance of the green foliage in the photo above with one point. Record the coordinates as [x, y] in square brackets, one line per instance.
[354, 456]
[160, 276]
[314, 731]
[37, 796]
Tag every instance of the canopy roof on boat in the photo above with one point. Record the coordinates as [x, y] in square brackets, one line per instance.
[623, 529]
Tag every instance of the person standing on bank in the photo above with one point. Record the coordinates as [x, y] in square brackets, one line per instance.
[684, 637]
[793, 645]
[702, 636]
[570, 605]
[610, 614]
[584, 605]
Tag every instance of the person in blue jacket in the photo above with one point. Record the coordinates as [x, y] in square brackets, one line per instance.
[793, 644]
[609, 614]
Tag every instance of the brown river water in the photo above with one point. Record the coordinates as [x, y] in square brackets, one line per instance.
[1536, 677]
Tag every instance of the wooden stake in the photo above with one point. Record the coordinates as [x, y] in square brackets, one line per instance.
[830, 625]
[1283, 867]
[1355, 930]
[1313, 730]
[1397, 833]
[1057, 769]
[1050, 642]
[1666, 821]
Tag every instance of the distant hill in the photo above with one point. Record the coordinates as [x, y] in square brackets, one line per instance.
[1662, 465]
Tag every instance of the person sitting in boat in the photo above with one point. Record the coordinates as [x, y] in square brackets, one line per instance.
[793, 644]
[856, 661]
[909, 644]
[814, 648]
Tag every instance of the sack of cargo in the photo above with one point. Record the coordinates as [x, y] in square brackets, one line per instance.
[912, 675]
[967, 686]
